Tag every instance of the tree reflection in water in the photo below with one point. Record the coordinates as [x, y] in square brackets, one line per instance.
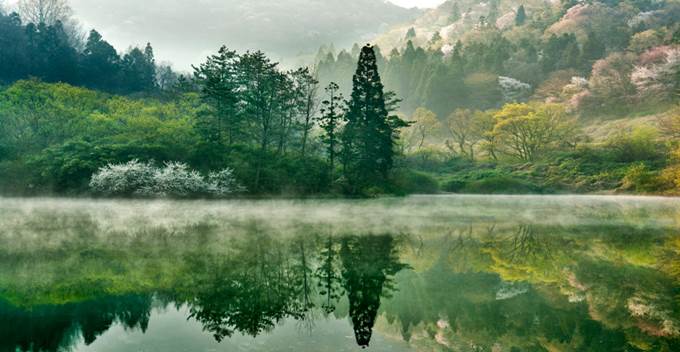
[368, 265]
[267, 281]
[523, 287]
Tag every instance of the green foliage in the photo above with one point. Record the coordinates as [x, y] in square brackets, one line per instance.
[51, 52]
[414, 182]
[641, 144]
[640, 179]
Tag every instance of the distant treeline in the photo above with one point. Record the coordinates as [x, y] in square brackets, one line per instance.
[53, 53]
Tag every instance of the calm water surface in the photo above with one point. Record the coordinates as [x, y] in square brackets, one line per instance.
[440, 273]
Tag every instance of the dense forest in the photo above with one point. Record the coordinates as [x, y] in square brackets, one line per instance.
[530, 97]
[502, 98]
[141, 129]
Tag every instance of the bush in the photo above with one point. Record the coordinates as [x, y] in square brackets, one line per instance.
[413, 182]
[502, 185]
[639, 145]
[174, 179]
[123, 179]
[640, 179]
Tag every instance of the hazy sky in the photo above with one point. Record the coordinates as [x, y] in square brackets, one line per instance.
[184, 32]
[418, 3]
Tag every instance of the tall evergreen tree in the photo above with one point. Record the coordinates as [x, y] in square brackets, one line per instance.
[51, 56]
[218, 83]
[521, 16]
[330, 120]
[410, 34]
[99, 63]
[13, 56]
[139, 70]
[370, 133]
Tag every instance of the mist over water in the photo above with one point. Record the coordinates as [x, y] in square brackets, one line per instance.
[416, 213]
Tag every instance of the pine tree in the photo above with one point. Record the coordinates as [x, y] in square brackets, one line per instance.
[370, 133]
[218, 84]
[139, 70]
[410, 34]
[436, 38]
[521, 16]
[99, 64]
[330, 120]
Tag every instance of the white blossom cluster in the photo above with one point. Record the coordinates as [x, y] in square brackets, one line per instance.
[173, 179]
[658, 80]
[513, 90]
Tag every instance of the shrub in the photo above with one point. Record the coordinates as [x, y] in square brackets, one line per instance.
[174, 179]
[411, 182]
[640, 179]
[123, 179]
[222, 183]
[639, 145]
[671, 175]
[501, 184]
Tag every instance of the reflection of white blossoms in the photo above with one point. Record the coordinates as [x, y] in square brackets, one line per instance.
[641, 308]
[510, 290]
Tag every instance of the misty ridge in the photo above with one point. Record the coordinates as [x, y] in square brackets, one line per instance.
[184, 32]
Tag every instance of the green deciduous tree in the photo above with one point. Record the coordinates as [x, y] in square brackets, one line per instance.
[527, 131]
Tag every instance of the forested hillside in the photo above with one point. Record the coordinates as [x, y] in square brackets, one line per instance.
[473, 97]
[522, 92]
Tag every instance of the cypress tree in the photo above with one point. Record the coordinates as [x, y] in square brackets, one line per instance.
[521, 16]
[370, 133]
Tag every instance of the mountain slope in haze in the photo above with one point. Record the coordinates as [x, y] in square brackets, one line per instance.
[184, 32]
[453, 20]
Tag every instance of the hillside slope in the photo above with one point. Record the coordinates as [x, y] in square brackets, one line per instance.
[183, 32]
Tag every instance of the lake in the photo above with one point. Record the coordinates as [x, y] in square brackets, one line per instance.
[421, 273]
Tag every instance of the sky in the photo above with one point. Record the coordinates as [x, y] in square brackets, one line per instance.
[184, 32]
[418, 3]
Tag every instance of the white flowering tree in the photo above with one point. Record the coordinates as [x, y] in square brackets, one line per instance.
[659, 80]
[174, 179]
[122, 179]
[513, 90]
[222, 183]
